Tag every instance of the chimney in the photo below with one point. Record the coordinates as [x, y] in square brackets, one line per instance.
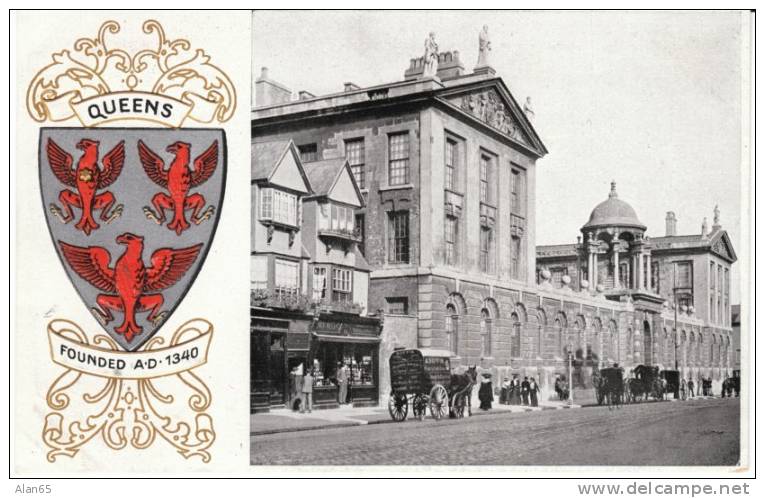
[671, 224]
[269, 92]
[305, 95]
[449, 66]
[350, 87]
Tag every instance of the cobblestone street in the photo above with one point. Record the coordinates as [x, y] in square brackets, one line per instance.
[698, 432]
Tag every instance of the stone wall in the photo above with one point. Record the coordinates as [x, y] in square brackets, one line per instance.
[399, 331]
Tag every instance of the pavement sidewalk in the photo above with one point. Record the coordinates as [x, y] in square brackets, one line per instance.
[285, 420]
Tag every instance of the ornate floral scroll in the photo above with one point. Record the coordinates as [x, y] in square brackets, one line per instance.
[126, 411]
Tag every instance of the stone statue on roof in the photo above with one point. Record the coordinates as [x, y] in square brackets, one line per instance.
[484, 47]
[717, 215]
[430, 59]
[528, 109]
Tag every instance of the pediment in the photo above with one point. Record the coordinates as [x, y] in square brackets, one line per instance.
[724, 248]
[488, 106]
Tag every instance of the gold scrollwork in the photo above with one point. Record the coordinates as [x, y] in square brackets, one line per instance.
[171, 68]
[128, 411]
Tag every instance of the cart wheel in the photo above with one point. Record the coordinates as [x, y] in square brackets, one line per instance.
[398, 406]
[439, 402]
[419, 406]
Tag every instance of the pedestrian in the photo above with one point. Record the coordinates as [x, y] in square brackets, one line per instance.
[342, 382]
[515, 390]
[525, 388]
[533, 391]
[296, 388]
[486, 392]
[504, 394]
[690, 387]
[307, 392]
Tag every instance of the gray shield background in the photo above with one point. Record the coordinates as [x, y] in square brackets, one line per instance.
[134, 189]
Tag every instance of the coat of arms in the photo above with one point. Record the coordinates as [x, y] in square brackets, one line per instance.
[132, 212]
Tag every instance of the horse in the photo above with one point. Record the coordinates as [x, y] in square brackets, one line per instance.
[462, 387]
[561, 388]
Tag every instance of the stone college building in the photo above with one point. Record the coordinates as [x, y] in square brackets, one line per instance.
[441, 236]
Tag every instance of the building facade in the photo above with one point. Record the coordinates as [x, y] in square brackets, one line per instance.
[672, 277]
[446, 164]
[309, 282]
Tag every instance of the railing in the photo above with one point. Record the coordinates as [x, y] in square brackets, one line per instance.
[290, 299]
[337, 233]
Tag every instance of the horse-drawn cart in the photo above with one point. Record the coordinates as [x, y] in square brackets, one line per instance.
[609, 385]
[646, 382]
[672, 382]
[423, 379]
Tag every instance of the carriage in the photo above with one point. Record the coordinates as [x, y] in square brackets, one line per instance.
[646, 382]
[423, 379]
[609, 385]
[673, 384]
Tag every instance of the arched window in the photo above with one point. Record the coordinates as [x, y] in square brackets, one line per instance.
[515, 336]
[647, 344]
[598, 353]
[699, 348]
[691, 347]
[542, 329]
[683, 347]
[712, 351]
[559, 335]
[452, 329]
[486, 324]
[614, 339]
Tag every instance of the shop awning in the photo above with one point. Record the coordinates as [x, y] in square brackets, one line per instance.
[347, 338]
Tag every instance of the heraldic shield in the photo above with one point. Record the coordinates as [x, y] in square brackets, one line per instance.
[132, 213]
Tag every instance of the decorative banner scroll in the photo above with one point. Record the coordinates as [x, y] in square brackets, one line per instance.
[120, 106]
[139, 365]
[128, 408]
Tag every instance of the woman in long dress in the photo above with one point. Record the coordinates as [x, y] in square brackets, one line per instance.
[515, 391]
[486, 392]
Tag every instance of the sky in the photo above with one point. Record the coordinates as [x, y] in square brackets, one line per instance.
[651, 100]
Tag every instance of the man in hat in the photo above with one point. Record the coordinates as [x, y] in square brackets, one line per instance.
[525, 388]
[342, 382]
[533, 392]
[307, 392]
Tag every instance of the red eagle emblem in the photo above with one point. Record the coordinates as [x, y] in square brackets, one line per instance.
[179, 179]
[88, 179]
[130, 286]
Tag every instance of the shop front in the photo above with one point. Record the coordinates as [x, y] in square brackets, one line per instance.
[284, 342]
[352, 343]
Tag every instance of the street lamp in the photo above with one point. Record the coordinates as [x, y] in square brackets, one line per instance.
[570, 376]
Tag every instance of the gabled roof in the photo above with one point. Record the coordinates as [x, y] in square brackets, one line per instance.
[717, 242]
[523, 133]
[409, 93]
[266, 157]
[324, 175]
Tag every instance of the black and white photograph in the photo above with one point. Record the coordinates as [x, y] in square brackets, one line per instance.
[497, 238]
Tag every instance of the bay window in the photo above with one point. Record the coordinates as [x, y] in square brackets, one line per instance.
[278, 206]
